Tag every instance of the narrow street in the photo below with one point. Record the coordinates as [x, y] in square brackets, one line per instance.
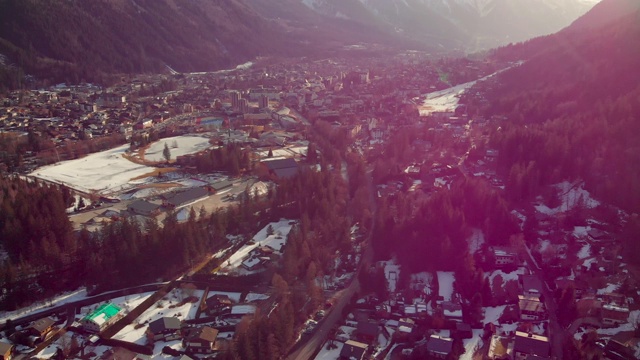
[313, 344]
[557, 334]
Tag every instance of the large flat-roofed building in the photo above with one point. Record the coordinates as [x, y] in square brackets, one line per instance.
[101, 318]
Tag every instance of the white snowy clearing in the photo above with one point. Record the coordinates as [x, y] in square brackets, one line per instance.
[492, 314]
[185, 145]
[104, 172]
[391, 273]
[444, 100]
[281, 230]
[475, 241]
[584, 252]
[58, 300]
[610, 288]
[447, 99]
[166, 307]
[445, 282]
[571, 195]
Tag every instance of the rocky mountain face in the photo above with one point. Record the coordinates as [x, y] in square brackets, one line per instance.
[464, 24]
[75, 40]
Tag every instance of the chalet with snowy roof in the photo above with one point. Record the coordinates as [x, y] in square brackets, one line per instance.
[452, 311]
[406, 325]
[165, 329]
[101, 318]
[439, 347]
[526, 345]
[613, 314]
[200, 340]
[353, 350]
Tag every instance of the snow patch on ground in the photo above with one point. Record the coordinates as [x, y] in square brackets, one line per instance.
[608, 289]
[444, 100]
[628, 326]
[472, 345]
[584, 252]
[571, 195]
[492, 314]
[255, 297]
[391, 273]
[178, 146]
[475, 241]
[332, 354]
[58, 300]
[445, 282]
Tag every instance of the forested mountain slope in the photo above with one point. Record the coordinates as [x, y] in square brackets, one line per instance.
[572, 111]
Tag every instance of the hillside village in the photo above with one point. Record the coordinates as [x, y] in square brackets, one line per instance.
[564, 277]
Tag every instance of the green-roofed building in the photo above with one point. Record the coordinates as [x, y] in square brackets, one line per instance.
[101, 317]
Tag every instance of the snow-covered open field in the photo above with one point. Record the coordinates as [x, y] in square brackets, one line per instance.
[444, 100]
[185, 145]
[105, 172]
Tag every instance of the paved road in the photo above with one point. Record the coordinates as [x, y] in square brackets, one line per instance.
[557, 334]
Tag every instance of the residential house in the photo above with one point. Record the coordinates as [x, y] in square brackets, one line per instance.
[504, 256]
[367, 332]
[353, 350]
[452, 311]
[165, 329]
[99, 319]
[40, 328]
[6, 351]
[200, 340]
[500, 348]
[622, 346]
[615, 309]
[439, 347]
[526, 345]
[614, 315]
[531, 308]
[406, 325]
[217, 302]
